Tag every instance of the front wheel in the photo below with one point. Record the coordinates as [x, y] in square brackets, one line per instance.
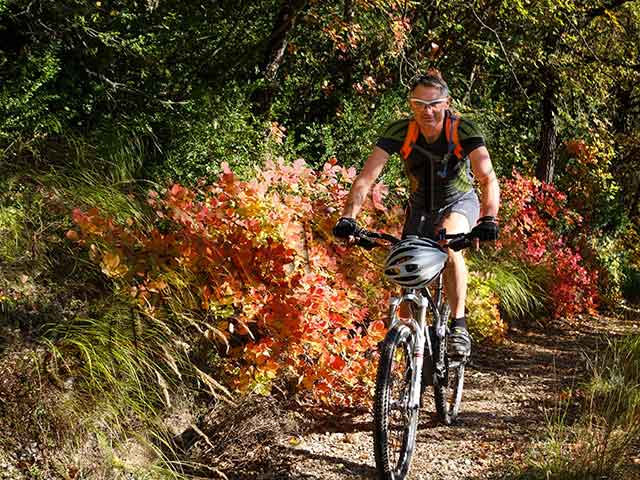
[395, 422]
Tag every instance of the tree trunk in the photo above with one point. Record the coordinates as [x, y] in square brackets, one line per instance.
[624, 111]
[277, 44]
[348, 11]
[276, 48]
[548, 132]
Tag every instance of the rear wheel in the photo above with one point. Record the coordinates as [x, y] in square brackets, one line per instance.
[395, 423]
[449, 382]
[441, 382]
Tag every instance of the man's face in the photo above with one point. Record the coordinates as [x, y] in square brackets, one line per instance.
[428, 106]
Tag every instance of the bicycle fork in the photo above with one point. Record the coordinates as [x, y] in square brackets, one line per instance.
[417, 327]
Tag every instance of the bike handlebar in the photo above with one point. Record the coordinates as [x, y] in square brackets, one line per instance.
[367, 239]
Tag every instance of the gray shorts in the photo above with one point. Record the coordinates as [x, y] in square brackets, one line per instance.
[419, 222]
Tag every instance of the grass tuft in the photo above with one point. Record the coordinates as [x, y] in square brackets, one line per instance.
[599, 442]
[520, 287]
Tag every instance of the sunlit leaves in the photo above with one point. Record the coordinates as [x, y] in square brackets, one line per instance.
[279, 297]
[533, 214]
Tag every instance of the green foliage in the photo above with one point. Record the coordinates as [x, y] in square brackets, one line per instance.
[484, 316]
[611, 260]
[25, 100]
[210, 130]
[351, 134]
[519, 286]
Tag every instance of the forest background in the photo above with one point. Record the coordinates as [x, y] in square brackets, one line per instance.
[171, 172]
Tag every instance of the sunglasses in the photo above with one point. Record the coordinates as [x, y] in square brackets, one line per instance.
[418, 102]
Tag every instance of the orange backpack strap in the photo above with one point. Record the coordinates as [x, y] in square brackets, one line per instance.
[410, 139]
[451, 125]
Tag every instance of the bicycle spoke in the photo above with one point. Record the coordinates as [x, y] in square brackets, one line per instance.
[395, 423]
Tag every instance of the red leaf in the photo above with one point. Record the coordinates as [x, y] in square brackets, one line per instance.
[378, 193]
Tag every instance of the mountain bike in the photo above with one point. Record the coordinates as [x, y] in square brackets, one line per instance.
[413, 355]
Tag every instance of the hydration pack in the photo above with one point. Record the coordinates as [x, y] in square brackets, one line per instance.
[451, 124]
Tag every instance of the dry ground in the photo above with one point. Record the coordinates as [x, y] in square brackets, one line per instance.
[510, 391]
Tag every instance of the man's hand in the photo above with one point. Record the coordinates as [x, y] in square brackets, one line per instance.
[345, 227]
[486, 230]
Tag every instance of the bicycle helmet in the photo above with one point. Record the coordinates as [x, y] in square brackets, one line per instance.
[415, 262]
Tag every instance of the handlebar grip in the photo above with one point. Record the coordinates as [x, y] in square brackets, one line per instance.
[460, 243]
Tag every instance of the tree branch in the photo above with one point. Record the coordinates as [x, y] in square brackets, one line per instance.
[504, 51]
[599, 11]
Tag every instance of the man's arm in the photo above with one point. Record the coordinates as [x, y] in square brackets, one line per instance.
[363, 182]
[483, 171]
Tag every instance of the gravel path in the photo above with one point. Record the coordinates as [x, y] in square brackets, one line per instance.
[508, 389]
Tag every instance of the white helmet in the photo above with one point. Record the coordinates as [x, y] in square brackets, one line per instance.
[414, 262]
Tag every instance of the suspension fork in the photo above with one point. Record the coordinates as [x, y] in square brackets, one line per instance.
[417, 326]
[440, 327]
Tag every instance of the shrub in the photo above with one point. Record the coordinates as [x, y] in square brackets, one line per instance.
[535, 217]
[484, 317]
[252, 267]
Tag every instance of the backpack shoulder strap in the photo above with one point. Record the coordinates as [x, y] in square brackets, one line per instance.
[410, 139]
[451, 124]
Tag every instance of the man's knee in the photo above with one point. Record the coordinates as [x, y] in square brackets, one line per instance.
[454, 223]
[456, 269]
[455, 258]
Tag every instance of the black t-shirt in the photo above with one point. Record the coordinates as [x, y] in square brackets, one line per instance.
[452, 177]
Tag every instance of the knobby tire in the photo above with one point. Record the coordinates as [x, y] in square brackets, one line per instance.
[391, 413]
[441, 385]
[449, 387]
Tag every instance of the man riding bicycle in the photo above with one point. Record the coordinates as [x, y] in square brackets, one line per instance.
[442, 154]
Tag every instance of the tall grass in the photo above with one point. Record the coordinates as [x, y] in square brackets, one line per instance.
[117, 372]
[599, 441]
[519, 287]
[125, 370]
[12, 239]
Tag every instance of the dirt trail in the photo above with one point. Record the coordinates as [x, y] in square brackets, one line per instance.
[507, 390]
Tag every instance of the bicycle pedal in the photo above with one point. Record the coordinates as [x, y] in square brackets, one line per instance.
[457, 360]
[457, 422]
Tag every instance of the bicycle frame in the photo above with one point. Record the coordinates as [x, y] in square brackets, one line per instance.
[423, 300]
[412, 356]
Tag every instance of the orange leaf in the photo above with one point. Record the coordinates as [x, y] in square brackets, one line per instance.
[377, 330]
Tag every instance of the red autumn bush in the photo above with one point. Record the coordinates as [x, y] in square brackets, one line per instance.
[254, 267]
[535, 215]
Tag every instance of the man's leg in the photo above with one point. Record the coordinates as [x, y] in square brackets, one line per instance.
[455, 275]
[455, 284]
